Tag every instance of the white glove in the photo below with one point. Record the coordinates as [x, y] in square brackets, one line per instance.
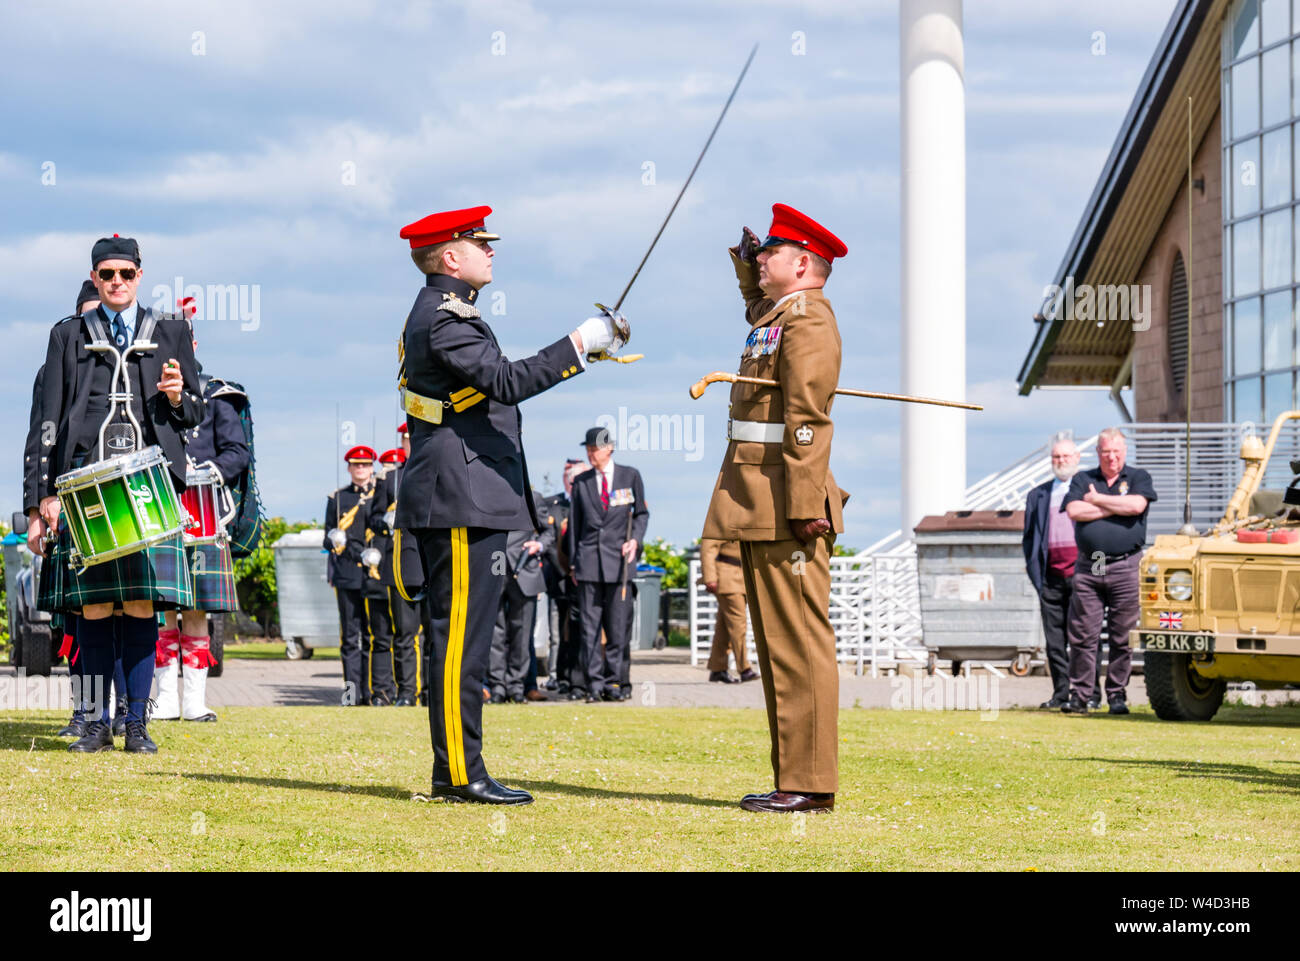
[597, 333]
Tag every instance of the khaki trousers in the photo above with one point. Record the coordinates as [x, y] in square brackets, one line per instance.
[788, 585]
[729, 634]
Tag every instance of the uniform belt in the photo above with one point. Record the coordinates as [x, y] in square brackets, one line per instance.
[752, 431]
[430, 409]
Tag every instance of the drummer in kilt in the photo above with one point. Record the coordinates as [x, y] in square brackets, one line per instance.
[165, 399]
[218, 442]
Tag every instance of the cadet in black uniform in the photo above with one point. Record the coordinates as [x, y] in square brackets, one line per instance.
[345, 512]
[565, 666]
[465, 484]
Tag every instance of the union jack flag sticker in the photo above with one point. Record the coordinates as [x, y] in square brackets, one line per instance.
[1171, 619]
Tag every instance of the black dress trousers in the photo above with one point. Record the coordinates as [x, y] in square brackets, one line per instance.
[464, 597]
[352, 627]
[408, 642]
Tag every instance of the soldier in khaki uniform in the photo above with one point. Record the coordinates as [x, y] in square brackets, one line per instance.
[720, 571]
[775, 494]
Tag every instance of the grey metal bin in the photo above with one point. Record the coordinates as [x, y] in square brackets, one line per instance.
[309, 613]
[645, 616]
[977, 603]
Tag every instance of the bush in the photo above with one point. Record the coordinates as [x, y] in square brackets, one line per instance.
[662, 554]
[255, 575]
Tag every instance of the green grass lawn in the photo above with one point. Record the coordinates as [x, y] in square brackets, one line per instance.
[273, 651]
[621, 787]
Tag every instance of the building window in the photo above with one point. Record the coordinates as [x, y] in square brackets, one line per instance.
[1261, 216]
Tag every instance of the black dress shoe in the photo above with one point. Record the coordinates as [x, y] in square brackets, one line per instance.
[138, 740]
[483, 791]
[564, 687]
[610, 693]
[1075, 705]
[1055, 702]
[119, 722]
[404, 702]
[784, 802]
[1118, 705]
[424, 700]
[749, 674]
[594, 699]
[498, 699]
[381, 701]
[98, 737]
[74, 728]
[1094, 702]
[577, 694]
[722, 677]
[625, 692]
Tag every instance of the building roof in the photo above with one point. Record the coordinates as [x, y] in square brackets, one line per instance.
[1142, 175]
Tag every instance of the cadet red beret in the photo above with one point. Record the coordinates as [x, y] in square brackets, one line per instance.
[789, 226]
[394, 456]
[361, 454]
[402, 429]
[114, 248]
[451, 225]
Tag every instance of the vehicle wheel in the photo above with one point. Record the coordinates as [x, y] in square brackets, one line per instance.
[293, 650]
[38, 656]
[217, 644]
[15, 642]
[307, 652]
[1177, 692]
[1020, 666]
[930, 663]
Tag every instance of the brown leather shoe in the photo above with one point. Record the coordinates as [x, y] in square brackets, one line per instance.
[785, 802]
[536, 696]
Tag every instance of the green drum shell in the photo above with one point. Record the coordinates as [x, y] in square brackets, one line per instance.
[119, 506]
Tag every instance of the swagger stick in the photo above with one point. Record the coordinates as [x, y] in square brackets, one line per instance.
[698, 388]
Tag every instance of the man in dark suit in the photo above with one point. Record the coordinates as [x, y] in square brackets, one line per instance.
[164, 399]
[346, 511]
[513, 634]
[606, 532]
[1050, 555]
[465, 485]
[563, 661]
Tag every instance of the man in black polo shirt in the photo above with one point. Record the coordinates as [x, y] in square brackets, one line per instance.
[1108, 505]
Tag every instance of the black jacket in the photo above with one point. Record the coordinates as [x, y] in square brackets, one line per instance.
[469, 471]
[401, 549]
[344, 568]
[527, 571]
[66, 387]
[220, 438]
[1037, 505]
[595, 538]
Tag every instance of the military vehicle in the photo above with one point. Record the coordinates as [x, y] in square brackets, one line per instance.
[1225, 605]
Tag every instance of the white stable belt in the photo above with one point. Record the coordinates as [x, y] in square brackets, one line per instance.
[753, 431]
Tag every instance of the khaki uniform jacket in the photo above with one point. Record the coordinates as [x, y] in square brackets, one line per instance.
[761, 486]
[720, 564]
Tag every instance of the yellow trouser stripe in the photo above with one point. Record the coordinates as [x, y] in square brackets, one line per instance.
[397, 564]
[370, 653]
[455, 647]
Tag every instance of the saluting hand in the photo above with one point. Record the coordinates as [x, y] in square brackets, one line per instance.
[748, 246]
[172, 382]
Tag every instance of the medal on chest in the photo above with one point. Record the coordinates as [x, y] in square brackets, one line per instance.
[762, 340]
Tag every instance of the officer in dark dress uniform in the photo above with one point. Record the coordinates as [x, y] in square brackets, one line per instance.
[466, 483]
[345, 538]
[396, 615]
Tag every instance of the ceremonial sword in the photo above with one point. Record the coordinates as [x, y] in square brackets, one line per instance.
[612, 312]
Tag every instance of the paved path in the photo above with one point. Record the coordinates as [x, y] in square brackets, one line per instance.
[661, 678]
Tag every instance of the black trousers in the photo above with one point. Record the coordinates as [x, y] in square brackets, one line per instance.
[464, 597]
[512, 641]
[379, 651]
[601, 608]
[565, 657]
[352, 627]
[408, 639]
[1054, 603]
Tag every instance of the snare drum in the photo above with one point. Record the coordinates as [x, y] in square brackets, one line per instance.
[209, 505]
[119, 506]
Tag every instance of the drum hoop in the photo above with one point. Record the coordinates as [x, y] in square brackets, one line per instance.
[202, 476]
[76, 557]
[111, 467]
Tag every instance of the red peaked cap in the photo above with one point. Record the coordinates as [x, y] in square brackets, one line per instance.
[402, 428]
[361, 454]
[394, 456]
[790, 226]
[449, 225]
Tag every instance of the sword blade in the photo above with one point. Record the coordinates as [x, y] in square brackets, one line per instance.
[680, 193]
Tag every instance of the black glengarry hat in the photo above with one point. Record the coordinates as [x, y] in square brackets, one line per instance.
[114, 248]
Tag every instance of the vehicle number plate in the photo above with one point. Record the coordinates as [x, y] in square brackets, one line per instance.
[1191, 643]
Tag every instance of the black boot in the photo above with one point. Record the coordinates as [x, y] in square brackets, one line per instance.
[138, 740]
[74, 728]
[119, 719]
[483, 791]
[98, 737]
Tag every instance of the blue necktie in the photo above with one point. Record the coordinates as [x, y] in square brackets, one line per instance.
[119, 331]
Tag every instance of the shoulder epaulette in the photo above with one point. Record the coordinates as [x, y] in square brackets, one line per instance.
[454, 305]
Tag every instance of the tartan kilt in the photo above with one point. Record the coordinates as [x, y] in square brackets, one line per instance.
[157, 574]
[213, 572]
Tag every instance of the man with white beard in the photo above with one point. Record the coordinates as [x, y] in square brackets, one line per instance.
[1050, 554]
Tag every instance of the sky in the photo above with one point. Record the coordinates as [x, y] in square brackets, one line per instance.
[270, 153]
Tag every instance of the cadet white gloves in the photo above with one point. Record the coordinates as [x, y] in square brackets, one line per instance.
[602, 333]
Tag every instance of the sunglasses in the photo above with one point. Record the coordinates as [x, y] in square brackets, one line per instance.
[128, 273]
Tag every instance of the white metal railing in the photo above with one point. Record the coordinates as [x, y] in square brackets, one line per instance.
[875, 606]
